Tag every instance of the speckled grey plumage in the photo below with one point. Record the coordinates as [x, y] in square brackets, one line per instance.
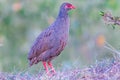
[51, 41]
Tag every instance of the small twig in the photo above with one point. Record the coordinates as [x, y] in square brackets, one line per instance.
[109, 45]
[115, 53]
[109, 49]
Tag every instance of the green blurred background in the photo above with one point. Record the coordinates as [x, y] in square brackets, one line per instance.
[21, 21]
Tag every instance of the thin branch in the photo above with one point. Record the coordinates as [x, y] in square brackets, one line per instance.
[110, 19]
[115, 53]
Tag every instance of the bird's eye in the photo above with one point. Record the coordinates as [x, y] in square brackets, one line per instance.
[68, 6]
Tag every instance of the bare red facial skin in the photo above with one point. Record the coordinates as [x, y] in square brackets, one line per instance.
[70, 6]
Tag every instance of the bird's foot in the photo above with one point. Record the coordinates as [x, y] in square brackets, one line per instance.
[51, 73]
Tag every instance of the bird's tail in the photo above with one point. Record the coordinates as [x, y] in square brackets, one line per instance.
[30, 62]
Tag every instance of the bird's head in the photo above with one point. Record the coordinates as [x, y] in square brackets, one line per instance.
[67, 6]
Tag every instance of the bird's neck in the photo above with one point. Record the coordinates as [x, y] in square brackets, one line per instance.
[63, 14]
[63, 22]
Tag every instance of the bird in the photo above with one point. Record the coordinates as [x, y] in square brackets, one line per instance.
[52, 41]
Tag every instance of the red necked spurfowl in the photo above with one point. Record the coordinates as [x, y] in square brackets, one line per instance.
[52, 41]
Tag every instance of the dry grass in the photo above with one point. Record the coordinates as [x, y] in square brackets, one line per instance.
[104, 70]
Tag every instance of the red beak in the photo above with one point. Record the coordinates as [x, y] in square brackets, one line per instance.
[72, 7]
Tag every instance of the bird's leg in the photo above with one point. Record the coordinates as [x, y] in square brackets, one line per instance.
[45, 66]
[50, 65]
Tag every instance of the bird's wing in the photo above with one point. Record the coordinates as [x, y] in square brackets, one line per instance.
[42, 43]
